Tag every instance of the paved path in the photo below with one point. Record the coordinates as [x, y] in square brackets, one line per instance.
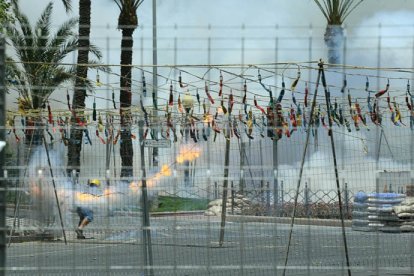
[188, 245]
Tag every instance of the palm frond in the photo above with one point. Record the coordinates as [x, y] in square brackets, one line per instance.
[336, 11]
[67, 4]
[42, 26]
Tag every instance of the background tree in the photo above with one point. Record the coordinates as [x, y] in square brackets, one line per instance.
[35, 69]
[79, 94]
[335, 12]
[127, 23]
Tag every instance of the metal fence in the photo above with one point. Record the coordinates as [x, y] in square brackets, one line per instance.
[271, 226]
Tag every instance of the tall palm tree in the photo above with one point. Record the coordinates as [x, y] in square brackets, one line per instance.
[36, 69]
[78, 100]
[335, 12]
[127, 23]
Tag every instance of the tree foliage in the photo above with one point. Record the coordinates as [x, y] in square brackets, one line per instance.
[36, 68]
[336, 11]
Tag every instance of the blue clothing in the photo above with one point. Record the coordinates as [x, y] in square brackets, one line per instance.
[84, 212]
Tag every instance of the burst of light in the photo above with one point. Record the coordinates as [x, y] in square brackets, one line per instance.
[188, 153]
[165, 171]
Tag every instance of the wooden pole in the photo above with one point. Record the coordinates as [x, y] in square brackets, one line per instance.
[338, 189]
[301, 167]
[225, 185]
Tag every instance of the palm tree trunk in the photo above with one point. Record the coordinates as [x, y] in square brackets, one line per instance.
[334, 38]
[78, 101]
[126, 149]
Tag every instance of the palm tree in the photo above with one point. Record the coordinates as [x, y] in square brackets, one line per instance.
[78, 100]
[127, 22]
[335, 12]
[36, 69]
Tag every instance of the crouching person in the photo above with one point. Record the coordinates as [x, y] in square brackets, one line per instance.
[85, 213]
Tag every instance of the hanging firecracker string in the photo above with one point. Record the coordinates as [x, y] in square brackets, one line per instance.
[94, 110]
[49, 111]
[305, 101]
[113, 98]
[299, 116]
[208, 94]
[231, 101]
[221, 85]
[295, 82]
[100, 124]
[409, 106]
[244, 101]
[257, 106]
[100, 138]
[171, 98]
[68, 100]
[180, 81]
[198, 99]
[282, 92]
[382, 92]
[249, 123]
[222, 105]
[269, 90]
[359, 113]
[343, 88]
[180, 107]
[293, 121]
[87, 136]
[389, 102]
[144, 85]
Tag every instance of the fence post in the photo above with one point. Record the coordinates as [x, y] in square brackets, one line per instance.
[346, 200]
[215, 190]
[282, 199]
[2, 176]
[306, 196]
[275, 193]
[267, 198]
[262, 197]
[232, 198]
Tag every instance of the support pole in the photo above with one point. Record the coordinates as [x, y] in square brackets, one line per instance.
[2, 176]
[146, 232]
[338, 189]
[225, 185]
[154, 77]
[54, 187]
[308, 131]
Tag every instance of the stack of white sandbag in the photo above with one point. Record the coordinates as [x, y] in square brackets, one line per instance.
[405, 213]
[381, 214]
[360, 212]
[235, 206]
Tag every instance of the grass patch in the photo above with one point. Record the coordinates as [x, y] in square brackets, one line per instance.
[174, 204]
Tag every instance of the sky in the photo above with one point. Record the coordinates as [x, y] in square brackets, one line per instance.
[264, 20]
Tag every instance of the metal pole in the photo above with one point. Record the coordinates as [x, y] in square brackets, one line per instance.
[154, 76]
[146, 232]
[301, 167]
[412, 177]
[338, 188]
[2, 176]
[54, 186]
[274, 149]
[242, 144]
